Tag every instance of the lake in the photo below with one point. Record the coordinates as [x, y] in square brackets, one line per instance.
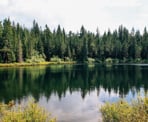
[73, 93]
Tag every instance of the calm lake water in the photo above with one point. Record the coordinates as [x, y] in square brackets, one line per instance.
[73, 93]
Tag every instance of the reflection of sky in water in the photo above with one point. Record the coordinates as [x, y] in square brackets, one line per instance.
[73, 108]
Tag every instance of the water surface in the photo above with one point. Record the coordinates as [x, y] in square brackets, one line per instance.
[73, 93]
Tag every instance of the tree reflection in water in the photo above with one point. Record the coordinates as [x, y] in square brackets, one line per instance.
[16, 83]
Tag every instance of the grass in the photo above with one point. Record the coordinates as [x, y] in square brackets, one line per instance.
[122, 111]
[31, 112]
[34, 63]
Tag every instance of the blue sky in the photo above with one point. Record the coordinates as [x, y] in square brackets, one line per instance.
[71, 14]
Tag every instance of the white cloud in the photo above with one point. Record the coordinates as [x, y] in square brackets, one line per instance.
[123, 3]
[4, 2]
[71, 14]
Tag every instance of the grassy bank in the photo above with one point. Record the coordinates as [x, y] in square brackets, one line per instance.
[122, 111]
[34, 63]
[31, 112]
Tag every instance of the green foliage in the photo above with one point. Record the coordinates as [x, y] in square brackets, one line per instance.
[7, 55]
[90, 60]
[122, 111]
[108, 61]
[36, 58]
[55, 59]
[31, 112]
[68, 59]
[119, 44]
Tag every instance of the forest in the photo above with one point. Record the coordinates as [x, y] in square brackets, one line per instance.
[21, 44]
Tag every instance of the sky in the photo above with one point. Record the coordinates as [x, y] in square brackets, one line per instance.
[72, 14]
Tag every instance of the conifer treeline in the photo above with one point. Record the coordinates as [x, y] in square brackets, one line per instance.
[18, 43]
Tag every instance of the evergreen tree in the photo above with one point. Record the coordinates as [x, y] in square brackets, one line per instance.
[144, 52]
[6, 51]
[1, 32]
[18, 43]
[48, 43]
[84, 41]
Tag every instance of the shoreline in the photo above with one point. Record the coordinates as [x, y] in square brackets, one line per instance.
[34, 64]
[16, 64]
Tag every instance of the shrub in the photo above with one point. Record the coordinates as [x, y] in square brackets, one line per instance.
[55, 59]
[31, 112]
[137, 60]
[68, 59]
[36, 59]
[108, 61]
[122, 111]
[91, 60]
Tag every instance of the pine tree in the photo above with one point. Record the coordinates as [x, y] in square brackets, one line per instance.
[1, 32]
[19, 44]
[6, 51]
[144, 52]
[48, 43]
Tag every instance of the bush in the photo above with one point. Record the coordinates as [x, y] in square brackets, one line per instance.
[91, 60]
[109, 61]
[68, 59]
[122, 111]
[55, 59]
[31, 112]
[36, 58]
[137, 60]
